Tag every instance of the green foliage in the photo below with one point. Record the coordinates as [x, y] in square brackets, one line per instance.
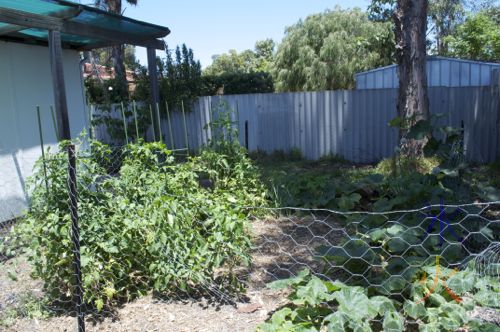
[103, 92]
[325, 50]
[406, 165]
[311, 307]
[321, 305]
[381, 10]
[151, 227]
[477, 38]
[28, 305]
[237, 83]
[180, 78]
[238, 73]
[248, 61]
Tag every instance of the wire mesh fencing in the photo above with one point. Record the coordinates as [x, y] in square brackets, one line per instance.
[153, 231]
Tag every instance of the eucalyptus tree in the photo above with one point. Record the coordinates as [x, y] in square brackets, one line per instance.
[410, 20]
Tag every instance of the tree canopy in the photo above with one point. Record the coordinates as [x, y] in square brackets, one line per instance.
[325, 50]
[248, 61]
[478, 37]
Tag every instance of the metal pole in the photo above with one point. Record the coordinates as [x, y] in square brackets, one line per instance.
[135, 119]
[185, 127]
[43, 149]
[75, 236]
[54, 123]
[124, 123]
[153, 82]
[159, 121]
[152, 122]
[170, 127]
[56, 61]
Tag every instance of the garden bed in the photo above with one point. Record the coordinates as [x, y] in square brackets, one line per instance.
[296, 238]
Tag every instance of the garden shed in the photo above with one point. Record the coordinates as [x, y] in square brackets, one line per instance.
[41, 47]
[441, 72]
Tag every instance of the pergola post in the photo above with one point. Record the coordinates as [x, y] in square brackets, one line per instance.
[155, 91]
[61, 104]
[56, 64]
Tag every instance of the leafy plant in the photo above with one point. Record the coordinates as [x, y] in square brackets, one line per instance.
[150, 226]
[322, 305]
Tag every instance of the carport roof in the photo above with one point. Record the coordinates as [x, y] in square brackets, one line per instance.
[82, 27]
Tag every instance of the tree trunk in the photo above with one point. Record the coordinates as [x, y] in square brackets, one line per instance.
[410, 18]
[118, 55]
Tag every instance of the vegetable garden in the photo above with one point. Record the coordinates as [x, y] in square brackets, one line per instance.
[406, 245]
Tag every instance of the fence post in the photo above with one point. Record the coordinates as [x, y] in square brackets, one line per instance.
[54, 123]
[75, 236]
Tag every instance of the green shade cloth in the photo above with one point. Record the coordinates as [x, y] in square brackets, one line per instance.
[93, 17]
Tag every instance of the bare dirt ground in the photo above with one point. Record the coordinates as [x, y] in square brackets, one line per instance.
[282, 247]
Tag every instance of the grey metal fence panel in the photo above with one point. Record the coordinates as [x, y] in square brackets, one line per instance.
[349, 123]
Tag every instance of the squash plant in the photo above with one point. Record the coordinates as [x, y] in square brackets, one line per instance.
[322, 305]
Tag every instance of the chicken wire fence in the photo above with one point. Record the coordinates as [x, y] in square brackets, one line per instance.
[83, 267]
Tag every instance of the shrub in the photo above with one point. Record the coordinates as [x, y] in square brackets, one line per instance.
[405, 165]
[150, 227]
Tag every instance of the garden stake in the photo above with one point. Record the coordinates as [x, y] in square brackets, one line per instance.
[43, 150]
[170, 127]
[124, 123]
[135, 119]
[159, 121]
[54, 122]
[91, 128]
[152, 122]
[185, 127]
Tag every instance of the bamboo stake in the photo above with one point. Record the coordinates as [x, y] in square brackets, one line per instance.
[135, 119]
[124, 123]
[159, 121]
[170, 127]
[43, 149]
[185, 127]
[152, 122]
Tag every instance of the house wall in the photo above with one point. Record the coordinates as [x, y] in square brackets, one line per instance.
[25, 82]
[441, 71]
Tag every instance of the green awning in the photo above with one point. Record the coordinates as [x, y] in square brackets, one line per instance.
[82, 27]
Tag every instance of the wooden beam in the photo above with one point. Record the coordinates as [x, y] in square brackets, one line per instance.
[155, 91]
[148, 43]
[29, 20]
[62, 14]
[61, 104]
[111, 37]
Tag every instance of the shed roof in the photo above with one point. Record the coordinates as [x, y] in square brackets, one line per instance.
[431, 58]
[82, 27]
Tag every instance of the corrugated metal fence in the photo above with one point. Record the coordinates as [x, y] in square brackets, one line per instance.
[349, 123]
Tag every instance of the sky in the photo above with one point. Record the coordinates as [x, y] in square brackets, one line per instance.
[216, 26]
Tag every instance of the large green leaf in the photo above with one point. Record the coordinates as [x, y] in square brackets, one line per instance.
[419, 130]
[283, 283]
[393, 322]
[313, 293]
